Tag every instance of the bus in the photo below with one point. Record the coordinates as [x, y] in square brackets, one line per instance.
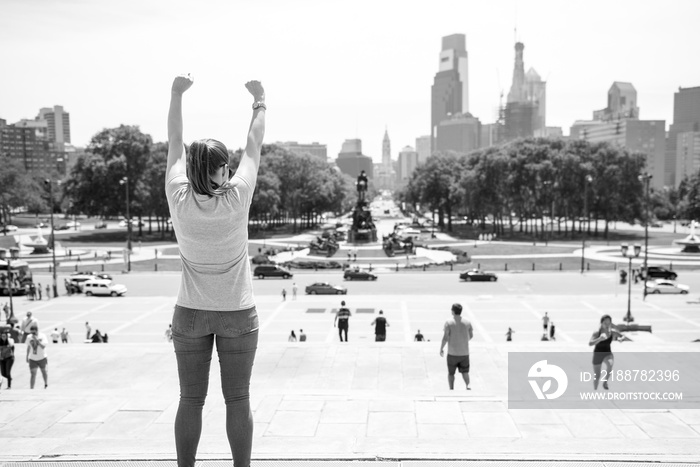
[20, 274]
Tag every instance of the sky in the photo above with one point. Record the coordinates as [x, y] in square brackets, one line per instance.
[332, 70]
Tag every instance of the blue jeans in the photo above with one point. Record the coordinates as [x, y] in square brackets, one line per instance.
[236, 335]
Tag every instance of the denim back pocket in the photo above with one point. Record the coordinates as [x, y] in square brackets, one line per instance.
[183, 319]
[238, 323]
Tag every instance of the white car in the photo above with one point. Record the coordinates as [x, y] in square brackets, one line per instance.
[666, 286]
[103, 287]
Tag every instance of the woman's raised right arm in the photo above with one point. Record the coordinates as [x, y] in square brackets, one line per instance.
[176, 148]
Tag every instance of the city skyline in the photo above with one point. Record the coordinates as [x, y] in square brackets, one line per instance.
[332, 71]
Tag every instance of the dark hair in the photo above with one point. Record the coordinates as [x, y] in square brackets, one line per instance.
[342, 303]
[457, 309]
[604, 317]
[204, 158]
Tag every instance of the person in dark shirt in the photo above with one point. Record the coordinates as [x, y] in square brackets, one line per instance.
[380, 323]
[342, 318]
[419, 337]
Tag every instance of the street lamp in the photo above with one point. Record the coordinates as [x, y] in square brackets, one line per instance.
[586, 182]
[632, 254]
[125, 181]
[646, 178]
[14, 254]
[53, 238]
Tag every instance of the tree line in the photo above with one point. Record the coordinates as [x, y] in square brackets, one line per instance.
[523, 185]
[291, 188]
[540, 184]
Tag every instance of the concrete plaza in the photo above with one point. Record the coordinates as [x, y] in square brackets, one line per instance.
[323, 400]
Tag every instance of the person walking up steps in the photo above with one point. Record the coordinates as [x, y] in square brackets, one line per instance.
[380, 324]
[457, 334]
[209, 206]
[342, 318]
[36, 356]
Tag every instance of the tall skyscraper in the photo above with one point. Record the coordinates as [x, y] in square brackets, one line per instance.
[686, 117]
[525, 112]
[450, 90]
[58, 123]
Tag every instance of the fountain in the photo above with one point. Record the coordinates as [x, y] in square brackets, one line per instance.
[691, 243]
[39, 244]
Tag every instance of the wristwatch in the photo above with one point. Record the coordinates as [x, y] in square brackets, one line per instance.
[258, 104]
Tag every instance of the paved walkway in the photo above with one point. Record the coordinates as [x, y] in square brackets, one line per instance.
[322, 401]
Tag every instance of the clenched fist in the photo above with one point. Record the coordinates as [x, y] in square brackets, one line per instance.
[182, 83]
[256, 89]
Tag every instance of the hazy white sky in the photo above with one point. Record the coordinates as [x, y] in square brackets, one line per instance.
[332, 70]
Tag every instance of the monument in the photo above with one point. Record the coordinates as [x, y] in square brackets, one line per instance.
[691, 243]
[363, 229]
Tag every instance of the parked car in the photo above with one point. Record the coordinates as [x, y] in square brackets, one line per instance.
[358, 274]
[101, 225]
[98, 275]
[666, 286]
[477, 275]
[103, 287]
[134, 223]
[325, 288]
[8, 228]
[62, 227]
[73, 224]
[271, 270]
[76, 280]
[657, 272]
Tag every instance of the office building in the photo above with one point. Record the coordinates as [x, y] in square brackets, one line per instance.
[315, 149]
[460, 133]
[489, 135]
[622, 103]
[687, 155]
[423, 148]
[58, 122]
[351, 161]
[408, 161]
[686, 117]
[29, 145]
[646, 136]
[450, 90]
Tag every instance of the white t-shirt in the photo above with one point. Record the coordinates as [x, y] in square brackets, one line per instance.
[36, 351]
[212, 234]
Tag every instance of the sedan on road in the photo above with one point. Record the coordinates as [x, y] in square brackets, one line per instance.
[358, 275]
[477, 275]
[666, 286]
[325, 288]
